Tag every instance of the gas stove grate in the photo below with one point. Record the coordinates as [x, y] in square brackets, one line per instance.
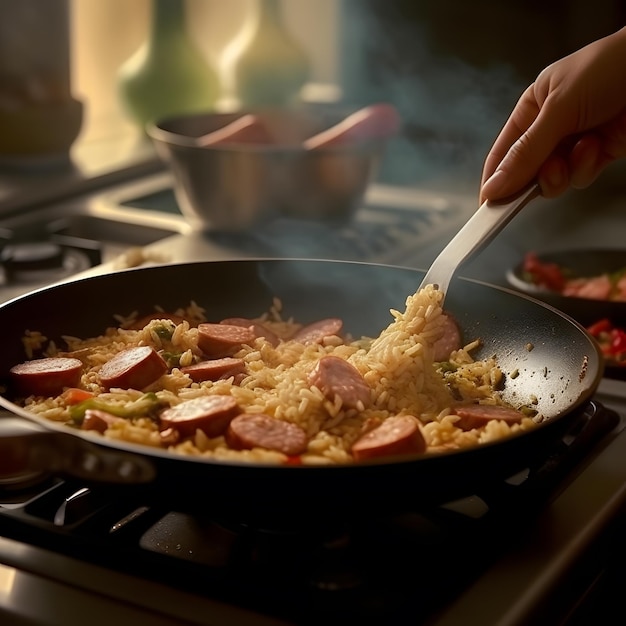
[396, 568]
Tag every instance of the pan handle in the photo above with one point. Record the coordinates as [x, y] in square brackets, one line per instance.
[28, 447]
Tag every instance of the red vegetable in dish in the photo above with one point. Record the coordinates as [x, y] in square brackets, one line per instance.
[612, 341]
[542, 274]
[74, 395]
[606, 286]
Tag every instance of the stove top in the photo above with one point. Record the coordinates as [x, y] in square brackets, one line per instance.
[529, 550]
[531, 537]
[394, 225]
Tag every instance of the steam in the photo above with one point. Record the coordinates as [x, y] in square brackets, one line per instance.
[451, 110]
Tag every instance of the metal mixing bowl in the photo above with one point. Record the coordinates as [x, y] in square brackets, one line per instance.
[233, 187]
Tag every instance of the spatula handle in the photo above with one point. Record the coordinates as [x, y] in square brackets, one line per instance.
[478, 231]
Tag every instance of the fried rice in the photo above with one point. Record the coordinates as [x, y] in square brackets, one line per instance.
[398, 366]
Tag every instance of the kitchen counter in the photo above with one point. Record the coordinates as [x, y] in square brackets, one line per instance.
[95, 161]
[522, 577]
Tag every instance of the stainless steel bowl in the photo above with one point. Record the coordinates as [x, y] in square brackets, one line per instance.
[234, 186]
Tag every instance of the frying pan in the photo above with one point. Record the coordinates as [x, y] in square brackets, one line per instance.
[557, 363]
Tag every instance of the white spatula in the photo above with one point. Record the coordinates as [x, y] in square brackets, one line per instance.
[477, 232]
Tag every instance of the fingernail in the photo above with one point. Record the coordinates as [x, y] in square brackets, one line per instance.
[494, 184]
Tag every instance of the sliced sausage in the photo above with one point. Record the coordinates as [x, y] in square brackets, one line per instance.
[98, 420]
[257, 430]
[220, 340]
[214, 369]
[142, 322]
[318, 331]
[259, 330]
[210, 414]
[134, 368]
[449, 341]
[336, 377]
[45, 377]
[398, 434]
[477, 415]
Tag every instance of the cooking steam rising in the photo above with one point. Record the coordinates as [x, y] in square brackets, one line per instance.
[451, 110]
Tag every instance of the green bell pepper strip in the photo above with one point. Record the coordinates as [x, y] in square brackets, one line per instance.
[143, 406]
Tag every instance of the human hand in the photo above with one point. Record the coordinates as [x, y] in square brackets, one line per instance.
[566, 127]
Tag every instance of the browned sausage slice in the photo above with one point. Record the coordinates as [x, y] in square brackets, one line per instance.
[334, 376]
[257, 430]
[477, 415]
[398, 434]
[210, 414]
[259, 330]
[45, 377]
[134, 368]
[98, 420]
[214, 369]
[318, 331]
[219, 340]
[449, 341]
[142, 322]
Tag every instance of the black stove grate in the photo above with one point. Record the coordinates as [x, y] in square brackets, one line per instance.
[42, 255]
[400, 568]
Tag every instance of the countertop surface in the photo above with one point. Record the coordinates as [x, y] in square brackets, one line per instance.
[95, 161]
[594, 217]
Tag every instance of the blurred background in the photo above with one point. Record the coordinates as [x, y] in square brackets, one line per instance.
[454, 69]
[106, 34]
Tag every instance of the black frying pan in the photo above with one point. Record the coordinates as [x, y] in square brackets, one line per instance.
[562, 370]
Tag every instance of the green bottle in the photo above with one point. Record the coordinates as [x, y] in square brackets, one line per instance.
[265, 66]
[167, 75]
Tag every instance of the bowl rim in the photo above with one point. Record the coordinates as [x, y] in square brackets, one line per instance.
[586, 311]
[159, 132]
[514, 273]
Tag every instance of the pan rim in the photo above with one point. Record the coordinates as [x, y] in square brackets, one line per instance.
[583, 398]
